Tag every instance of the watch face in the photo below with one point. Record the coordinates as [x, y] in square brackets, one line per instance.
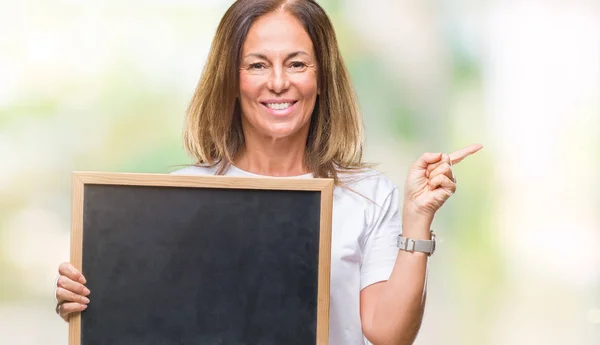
[433, 239]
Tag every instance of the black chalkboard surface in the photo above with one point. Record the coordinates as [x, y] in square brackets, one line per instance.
[202, 260]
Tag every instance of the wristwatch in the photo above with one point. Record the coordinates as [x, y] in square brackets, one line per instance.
[411, 245]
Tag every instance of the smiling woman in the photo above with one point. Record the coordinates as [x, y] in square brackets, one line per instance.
[275, 99]
[278, 86]
[266, 54]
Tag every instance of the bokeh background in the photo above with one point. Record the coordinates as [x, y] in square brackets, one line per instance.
[103, 85]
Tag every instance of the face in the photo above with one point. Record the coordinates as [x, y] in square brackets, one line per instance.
[278, 78]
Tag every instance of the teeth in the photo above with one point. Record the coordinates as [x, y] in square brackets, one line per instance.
[279, 106]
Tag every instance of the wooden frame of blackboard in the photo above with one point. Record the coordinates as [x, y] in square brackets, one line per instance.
[324, 186]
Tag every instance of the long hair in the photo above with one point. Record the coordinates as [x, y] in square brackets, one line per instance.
[213, 133]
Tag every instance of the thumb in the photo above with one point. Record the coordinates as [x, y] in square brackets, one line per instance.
[426, 159]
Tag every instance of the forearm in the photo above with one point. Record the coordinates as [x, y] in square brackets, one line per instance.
[398, 313]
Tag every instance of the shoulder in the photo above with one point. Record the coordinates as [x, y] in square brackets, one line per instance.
[196, 170]
[369, 184]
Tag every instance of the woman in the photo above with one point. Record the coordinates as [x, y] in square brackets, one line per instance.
[275, 100]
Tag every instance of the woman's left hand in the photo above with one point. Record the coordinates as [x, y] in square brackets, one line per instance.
[431, 182]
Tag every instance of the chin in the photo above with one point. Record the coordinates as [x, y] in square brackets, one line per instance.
[280, 131]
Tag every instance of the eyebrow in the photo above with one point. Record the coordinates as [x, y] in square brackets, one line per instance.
[289, 56]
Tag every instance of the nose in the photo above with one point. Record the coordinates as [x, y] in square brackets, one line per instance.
[278, 80]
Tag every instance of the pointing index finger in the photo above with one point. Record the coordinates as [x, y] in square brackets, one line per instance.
[461, 154]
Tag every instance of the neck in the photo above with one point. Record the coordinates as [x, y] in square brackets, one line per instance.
[273, 157]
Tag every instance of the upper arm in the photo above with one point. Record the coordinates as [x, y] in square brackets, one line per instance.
[379, 242]
[379, 254]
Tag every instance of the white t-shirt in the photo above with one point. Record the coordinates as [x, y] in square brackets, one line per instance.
[363, 248]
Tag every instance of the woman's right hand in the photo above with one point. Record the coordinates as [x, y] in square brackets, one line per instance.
[71, 292]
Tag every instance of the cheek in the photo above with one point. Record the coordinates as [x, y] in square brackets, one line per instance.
[307, 85]
[249, 90]
[248, 87]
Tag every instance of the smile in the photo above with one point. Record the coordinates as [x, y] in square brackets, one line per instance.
[279, 106]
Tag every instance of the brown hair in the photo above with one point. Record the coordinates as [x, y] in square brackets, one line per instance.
[213, 131]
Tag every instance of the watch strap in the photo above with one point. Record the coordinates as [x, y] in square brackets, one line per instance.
[412, 245]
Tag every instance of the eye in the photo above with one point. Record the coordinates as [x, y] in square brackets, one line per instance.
[256, 65]
[297, 65]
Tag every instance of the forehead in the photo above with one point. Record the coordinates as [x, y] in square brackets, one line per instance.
[277, 32]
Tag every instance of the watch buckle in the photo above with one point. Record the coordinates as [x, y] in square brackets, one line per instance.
[409, 245]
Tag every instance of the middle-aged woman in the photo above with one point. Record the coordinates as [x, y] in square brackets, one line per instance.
[275, 99]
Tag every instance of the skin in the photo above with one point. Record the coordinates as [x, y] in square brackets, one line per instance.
[388, 316]
[278, 62]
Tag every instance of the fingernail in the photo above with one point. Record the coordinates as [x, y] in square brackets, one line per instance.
[85, 300]
[86, 291]
[83, 307]
[82, 279]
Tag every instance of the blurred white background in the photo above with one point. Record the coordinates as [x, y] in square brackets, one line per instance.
[103, 85]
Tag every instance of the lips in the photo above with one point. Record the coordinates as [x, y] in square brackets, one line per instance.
[278, 104]
[279, 107]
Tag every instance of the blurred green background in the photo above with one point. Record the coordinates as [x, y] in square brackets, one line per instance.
[103, 85]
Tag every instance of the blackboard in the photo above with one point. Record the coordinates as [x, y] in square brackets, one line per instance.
[202, 260]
